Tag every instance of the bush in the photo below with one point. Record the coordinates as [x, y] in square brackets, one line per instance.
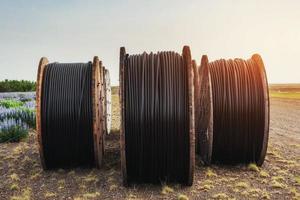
[10, 103]
[12, 130]
[17, 86]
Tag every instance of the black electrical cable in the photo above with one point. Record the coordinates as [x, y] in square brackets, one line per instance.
[240, 110]
[67, 115]
[156, 106]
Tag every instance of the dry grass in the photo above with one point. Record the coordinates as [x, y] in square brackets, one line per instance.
[182, 197]
[166, 190]
[264, 174]
[241, 184]
[21, 175]
[210, 173]
[220, 196]
[253, 167]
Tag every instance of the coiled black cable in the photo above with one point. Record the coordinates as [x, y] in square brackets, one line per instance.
[67, 115]
[240, 110]
[157, 120]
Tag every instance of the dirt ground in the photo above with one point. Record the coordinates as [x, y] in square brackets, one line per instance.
[21, 175]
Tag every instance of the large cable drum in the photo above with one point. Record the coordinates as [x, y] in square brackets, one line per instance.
[235, 126]
[68, 114]
[157, 117]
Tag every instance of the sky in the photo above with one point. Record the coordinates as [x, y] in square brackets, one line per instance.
[75, 31]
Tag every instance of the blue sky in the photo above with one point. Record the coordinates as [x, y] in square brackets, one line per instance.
[75, 31]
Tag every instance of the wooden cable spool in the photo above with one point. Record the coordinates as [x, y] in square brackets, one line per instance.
[96, 117]
[187, 63]
[233, 94]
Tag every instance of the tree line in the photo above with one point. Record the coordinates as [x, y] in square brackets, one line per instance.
[17, 86]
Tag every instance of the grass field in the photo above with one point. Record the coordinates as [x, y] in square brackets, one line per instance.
[286, 95]
[286, 91]
[21, 175]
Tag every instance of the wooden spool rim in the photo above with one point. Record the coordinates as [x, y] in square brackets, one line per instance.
[196, 99]
[104, 101]
[122, 118]
[107, 102]
[97, 126]
[102, 104]
[258, 60]
[187, 58]
[207, 153]
[40, 77]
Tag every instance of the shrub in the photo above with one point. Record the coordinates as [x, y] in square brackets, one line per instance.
[12, 130]
[10, 103]
[17, 86]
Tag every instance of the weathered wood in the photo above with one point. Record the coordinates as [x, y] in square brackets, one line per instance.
[186, 53]
[205, 112]
[97, 126]
[196, 100]
[104, 102]
[122, 118]
[42, 65]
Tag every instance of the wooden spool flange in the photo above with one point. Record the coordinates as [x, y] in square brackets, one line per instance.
[258, 60]
[97, 114]
[205, 112]
[187, 59]
[39, 82]
[122, 118]
[196, 107]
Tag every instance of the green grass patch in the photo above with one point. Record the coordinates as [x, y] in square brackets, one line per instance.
[10, 103]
